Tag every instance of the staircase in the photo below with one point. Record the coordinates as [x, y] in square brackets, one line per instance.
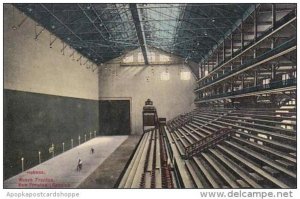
[207, 142]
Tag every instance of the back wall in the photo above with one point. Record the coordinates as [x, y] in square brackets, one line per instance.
[170, 97]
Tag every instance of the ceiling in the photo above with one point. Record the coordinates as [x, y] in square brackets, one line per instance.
[102, 32]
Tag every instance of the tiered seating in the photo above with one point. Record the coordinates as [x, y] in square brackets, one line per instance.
[259, 154]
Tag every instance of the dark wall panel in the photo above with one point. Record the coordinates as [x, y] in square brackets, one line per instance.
[114, 118]
[33, 121]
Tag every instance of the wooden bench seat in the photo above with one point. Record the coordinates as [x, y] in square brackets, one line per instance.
[264, 149]
[277, 135]
[256, 177]
[252, 166]
[194, 176]
[293, 154]
[243, 184]
[286, 164]
[234, 168]
[261, 157]
[272, 171]
[206, 173]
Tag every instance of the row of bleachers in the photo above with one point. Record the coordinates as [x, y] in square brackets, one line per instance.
[259, 154]
[140, 169]
[148, 167]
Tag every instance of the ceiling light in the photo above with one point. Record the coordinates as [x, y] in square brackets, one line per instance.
[53, 26]
[14, 27]
[29, 9]
[96, 59]
[68, 38]
[213, 20]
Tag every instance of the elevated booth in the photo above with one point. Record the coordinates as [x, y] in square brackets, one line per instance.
[150, 119]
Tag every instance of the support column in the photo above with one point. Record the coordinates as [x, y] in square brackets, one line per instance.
[273, 72]
[224, 50]
[242, 36]
[217, 58]
[231, 44]
[255, 78]
[243, 81]
[208, 69]
[273, 15]
[255, 23]
[200, 71]
[273, 69]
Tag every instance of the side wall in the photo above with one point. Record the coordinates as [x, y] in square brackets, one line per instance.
[170, 97]
[48, 97]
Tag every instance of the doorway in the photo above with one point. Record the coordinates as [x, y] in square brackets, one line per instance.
[114, 117]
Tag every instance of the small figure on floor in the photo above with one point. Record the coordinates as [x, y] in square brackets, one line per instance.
[79, 165]
[92, 150]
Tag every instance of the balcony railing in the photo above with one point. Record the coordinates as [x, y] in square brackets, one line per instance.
[263, 87]
[272, 30]
[252, 63]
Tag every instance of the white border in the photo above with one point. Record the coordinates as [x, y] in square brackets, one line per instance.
[124, 193]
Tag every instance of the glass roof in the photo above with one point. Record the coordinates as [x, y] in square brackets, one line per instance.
[105, 31]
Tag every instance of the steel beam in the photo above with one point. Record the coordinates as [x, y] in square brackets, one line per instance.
[98, 30]
[69, 29]
[139, 30]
